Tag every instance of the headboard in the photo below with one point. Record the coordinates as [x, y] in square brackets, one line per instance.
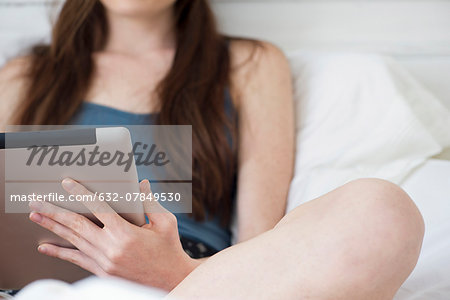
[415, 27]
[415, 32]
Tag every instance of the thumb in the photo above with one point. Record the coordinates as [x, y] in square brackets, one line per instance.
[154, 211]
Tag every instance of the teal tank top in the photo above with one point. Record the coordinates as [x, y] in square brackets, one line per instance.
[210, 232]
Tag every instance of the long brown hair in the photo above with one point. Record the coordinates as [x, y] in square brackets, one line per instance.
[192, 93]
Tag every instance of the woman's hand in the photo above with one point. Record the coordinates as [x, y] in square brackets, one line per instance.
[151, 254]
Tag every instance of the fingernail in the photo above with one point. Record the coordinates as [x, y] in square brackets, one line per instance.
[148, 183]
[68, 184]
[42, 249]
[144, 183]
[35, 217]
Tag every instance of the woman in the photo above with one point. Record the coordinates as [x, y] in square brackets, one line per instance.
[125, 61]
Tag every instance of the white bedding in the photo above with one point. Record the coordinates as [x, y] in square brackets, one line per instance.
[366, 116]
[360, 116]
[429, 187]
[92, 288]
[431, 71]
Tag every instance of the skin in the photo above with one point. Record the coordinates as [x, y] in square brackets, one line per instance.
[357, 242]
[360, 241]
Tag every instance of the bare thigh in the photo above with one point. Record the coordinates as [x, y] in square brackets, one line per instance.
[360, 241]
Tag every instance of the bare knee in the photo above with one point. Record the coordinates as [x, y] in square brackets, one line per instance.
[366, 236]
[362, 239]
[387, 202]
[390, 234]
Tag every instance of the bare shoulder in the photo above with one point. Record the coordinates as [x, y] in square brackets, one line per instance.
[15, 69]
[13, 82]
[252, 53]
[258, 66]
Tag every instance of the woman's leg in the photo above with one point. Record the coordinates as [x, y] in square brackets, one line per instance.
[360, 241]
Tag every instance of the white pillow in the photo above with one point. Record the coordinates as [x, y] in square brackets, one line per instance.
[360, 115]
[22, 26]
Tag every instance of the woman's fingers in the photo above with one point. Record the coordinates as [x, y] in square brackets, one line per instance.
[101, 210]
[69, 235]
[73, 256]
[76, 222]
[154, 211]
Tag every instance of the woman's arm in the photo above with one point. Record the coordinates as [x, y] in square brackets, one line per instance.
[262, 91]
[12, 87]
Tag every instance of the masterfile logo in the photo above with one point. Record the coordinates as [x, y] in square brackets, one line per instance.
[145, 154]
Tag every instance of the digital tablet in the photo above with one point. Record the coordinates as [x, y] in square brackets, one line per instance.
[33, 164]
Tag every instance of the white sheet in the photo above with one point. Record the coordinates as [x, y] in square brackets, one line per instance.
[429, 187]
[92, 288]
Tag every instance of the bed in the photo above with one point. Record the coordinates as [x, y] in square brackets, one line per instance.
[415, 34]
[411, 37]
